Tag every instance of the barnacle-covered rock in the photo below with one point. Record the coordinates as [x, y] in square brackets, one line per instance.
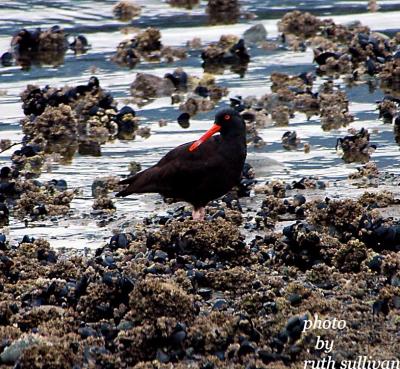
[368, 170]
[127, 54]
[290, 141]
[388, 109]
[104, 203]
[223, 11]
[390, 75]
[334, 107]
[356, 147]
[28, 160]
[59, 355]
[63, 119]
[41, 46]
[147, 86]
[52, 39]
[298, 83]
[125, 10]
[333, 64]
[187, 4]
[196, 104]
[344, 215]
[53, 124]
[350, 256]
[154, 297]
[37, 201]
[127, 123]
[303, 246]
[218, 239]
[146, 45]
[299, 23]
[228, 51]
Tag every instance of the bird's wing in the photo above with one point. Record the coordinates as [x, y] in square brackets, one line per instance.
[177, 171]
[180, 168]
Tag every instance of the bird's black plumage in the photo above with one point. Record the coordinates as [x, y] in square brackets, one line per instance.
[207, 172]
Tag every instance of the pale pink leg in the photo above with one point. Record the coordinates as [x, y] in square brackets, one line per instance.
[198, 214]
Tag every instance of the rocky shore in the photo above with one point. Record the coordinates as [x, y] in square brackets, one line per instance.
[236, 290]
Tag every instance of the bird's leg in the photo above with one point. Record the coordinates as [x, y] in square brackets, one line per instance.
[198, 214]
[195, 214]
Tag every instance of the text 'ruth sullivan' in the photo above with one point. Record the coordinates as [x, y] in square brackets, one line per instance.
[362, 362]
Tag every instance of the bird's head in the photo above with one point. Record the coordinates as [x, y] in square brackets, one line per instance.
[227, 121]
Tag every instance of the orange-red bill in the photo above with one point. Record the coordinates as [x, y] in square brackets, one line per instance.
[214, 129]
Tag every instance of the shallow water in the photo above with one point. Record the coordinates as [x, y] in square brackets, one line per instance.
[94, 20]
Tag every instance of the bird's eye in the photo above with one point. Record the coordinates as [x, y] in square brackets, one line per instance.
[227, 117]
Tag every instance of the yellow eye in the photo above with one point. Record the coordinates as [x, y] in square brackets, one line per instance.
[227, 117]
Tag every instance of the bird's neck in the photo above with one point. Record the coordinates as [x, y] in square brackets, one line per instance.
[234, 134]
[234, 137]
[234, 141]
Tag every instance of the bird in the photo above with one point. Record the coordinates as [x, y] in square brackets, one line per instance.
[199, 171]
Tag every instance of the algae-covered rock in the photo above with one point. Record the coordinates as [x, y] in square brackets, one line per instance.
[217, 239]
[153, 297]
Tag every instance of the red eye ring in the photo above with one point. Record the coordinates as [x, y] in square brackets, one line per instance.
[227, 117]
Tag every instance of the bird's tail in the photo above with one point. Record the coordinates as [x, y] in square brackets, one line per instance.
[142, 182]
[129, 189]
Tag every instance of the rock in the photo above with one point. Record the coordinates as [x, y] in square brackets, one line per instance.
[147, 86]
[102, 185]
[356, 147]
[7, 59]
[246, 348]
[3, 241]
[160, 256]
[126, 10]
[13, 352]
[255, 34]
[4, 213]
[124, 325]
[294, 327]
[183, 120]
[79, 44]
[381, 307]
[179, 78]
[290, 141]
[375, 263]
[178, 336]
[162, 357]
[205, 293]
[223, 11]
[228, 51]
[60, 185]
[119, 241]
[396, 302]
[220, 304]
[39, 46]
[187, 4]
[146, 45]
[153, 297]
[322, 58]
[194, 105]
[134, 167]
[127, 123]
[299, 23]
[89, 148]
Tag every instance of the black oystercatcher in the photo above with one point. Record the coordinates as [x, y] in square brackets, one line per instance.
[199, 171]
